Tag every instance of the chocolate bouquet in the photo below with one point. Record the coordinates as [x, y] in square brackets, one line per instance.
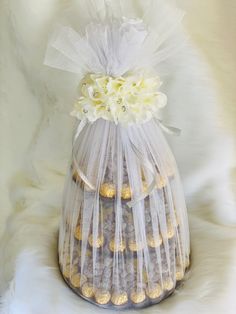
[124, 237]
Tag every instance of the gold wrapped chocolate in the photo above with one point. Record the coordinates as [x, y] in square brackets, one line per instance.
[135, 246]
[69, 270]
[154, 242]
[126, 192]
[119, 298]
[77, 280]
[97, 242]
[102, 296]
[117, 247]
[168, 284]
[154, 291]
[138, 296]
[179, 275]
[87, 290]
[170, 232]
[108, 190]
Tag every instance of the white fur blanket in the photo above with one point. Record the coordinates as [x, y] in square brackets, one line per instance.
[35, 148]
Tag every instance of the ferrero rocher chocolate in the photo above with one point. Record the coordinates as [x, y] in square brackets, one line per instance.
[168, 284]
[87, 290]
[126, 192]
[97, 242]
[117, 247]
[77, 280]
[154, 242]
[66, 272]
[154, 291]
[102, 296]
[108, 190]
[138, 296]
[179, 274]
[135, 246]
[170, 231]
[69, 270]
[119, 298]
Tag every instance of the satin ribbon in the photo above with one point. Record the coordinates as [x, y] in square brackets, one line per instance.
[167, 129]
[148, 166]
[80, 128]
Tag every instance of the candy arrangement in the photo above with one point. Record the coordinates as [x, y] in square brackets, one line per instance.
[124, 236]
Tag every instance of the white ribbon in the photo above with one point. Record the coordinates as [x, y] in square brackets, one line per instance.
[147, 165]
[81, 126]
[169, 129]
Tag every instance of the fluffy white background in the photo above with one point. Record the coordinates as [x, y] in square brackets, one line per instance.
[35, 148]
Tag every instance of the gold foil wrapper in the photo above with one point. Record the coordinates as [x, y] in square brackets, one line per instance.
[69, 270]
[126, 192]
[117, 247]
[87, 290]
[119, 298]
[102, 296]
[138, 296]
[108, 190]
[98, 242]
[135, 246]
[179, 275]
[154, 242]
[168, 284]
[154, 291]
[77, 280]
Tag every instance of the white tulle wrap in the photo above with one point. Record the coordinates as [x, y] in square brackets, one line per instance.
[124, 238]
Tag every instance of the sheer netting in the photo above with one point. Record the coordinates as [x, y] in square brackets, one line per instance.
[124, 237]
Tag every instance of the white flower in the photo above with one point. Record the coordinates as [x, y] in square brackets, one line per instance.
[125, 100]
